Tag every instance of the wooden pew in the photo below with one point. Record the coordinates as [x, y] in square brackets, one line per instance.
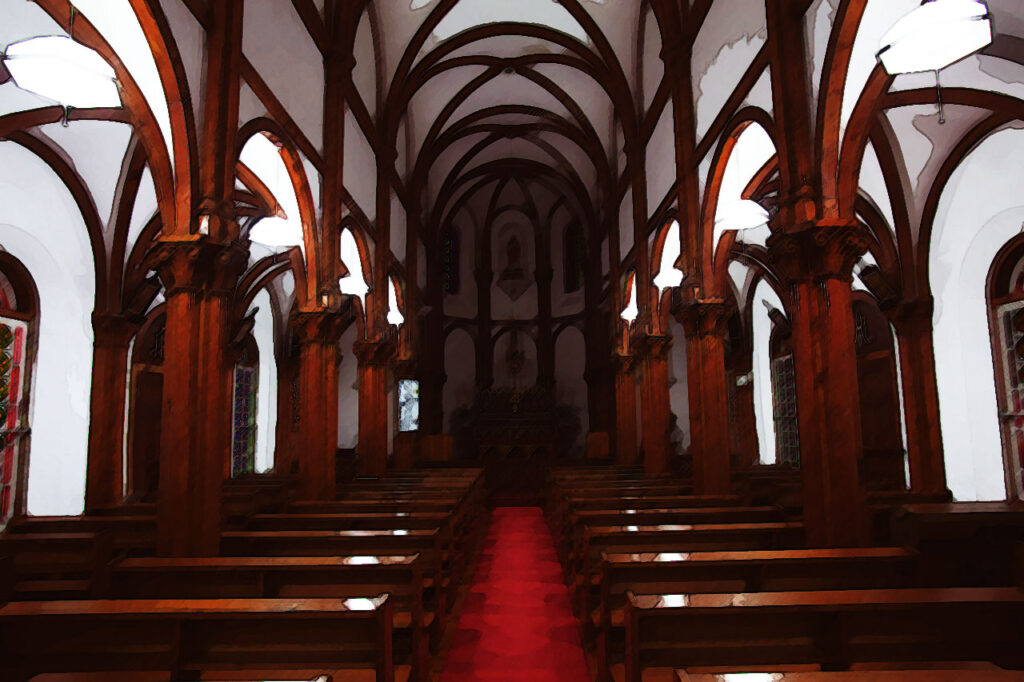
[830, 628]
[425, 542]
[134, 534]
[737, 571]
[53, 565]
[291, 577]
[680, 538]
[188, 636]
[930, 675]
[965, 543]
[572, 535]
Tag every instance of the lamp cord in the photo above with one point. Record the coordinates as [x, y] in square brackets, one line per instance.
[942, 108]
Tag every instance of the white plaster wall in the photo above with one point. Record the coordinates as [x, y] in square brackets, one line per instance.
[275, 40]
[41, 226]
[266, 396]
[661, 160]
[678, 388]
[191, 41]
[360, 168]
[979, 212]
[730, 37]
[348, 391]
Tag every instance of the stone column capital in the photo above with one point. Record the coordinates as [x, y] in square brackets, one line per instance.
[651, 346]
[623, 364]
[112, 330]
[704, 317]
[374, 353]
[318, 326]
[817, 252]
[199, 266]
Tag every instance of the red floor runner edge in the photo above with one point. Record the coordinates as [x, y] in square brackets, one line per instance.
[516, 622]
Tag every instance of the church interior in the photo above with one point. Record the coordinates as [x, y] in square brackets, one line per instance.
[511, 340]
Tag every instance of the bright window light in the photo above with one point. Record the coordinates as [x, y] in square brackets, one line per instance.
[740, 215]
[353, 284]
[631, 310]
[283, 230]
[395, 316]
[752, 151]
[935, 35]
[669, 275]
[58, 68]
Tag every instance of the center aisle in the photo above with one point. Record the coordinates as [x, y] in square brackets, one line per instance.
[517, 622]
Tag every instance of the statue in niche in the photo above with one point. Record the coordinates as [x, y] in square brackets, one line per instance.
[513, 280]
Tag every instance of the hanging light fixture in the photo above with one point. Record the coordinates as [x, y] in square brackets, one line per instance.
[60, 69]
[935, 35]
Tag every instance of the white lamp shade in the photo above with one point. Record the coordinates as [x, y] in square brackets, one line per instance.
[740, 215]
[58, 68]
[277, 233]
[935, 35]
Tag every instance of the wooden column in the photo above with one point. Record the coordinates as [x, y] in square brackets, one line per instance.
[199, 277]
[655, 407]
[625, 410]
[104, 479]
[913, 324]
[317, 334]
[706, 325]
[817, 264]
[374, 358]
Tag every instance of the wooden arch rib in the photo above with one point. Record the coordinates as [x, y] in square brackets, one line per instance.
[739, 123]
[170, 201]
[303, 196]
[83, 200]
[830, 94]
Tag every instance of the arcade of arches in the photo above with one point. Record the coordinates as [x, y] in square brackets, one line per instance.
[322, 242]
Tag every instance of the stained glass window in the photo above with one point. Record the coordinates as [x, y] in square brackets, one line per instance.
[573, 256]
[1011, 327]
[408, 405]
[450, 261]
[243, 434]
[13, 339]
[787, 428]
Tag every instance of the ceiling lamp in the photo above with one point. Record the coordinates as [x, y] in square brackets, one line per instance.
[631, 311]
[395, 316]
[740, 215]
[935, 35]
[62, 70]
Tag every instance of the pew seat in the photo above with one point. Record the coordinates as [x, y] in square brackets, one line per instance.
[833, 629]
[185, 637]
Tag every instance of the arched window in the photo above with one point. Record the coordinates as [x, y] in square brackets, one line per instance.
[450, 252]
[18, 305]
[787, 426]
[572, 256]
[1006, 306]
[243, 410]
[146, 408]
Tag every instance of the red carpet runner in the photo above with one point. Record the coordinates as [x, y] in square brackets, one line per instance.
[517, 623]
